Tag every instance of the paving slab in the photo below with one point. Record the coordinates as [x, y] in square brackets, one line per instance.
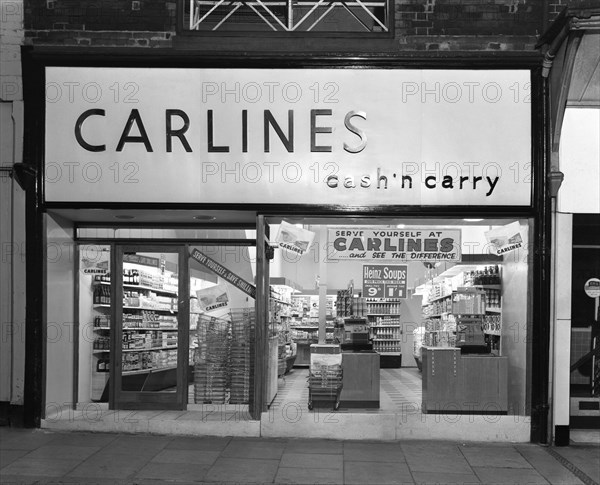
[111, 465]
[242, 470]
[63, 452]
[28, 440]
[6, 479]
[208, 443]
[174, 471]
[381, 473]
[309, 476]
[438, 478]
[583, 457]
[42, 467]
[254, 448]
[8, 456]
[494, 456]
[509, 476]
[137, 444]
[435, 457]
[314, 446]
[196, 457]
[314, 460]
[376, 452]
[547, 465]
[82, 439]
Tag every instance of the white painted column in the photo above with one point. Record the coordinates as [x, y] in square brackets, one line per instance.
[562, 320]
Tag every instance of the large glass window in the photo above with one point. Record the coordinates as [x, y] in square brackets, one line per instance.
[428, 315]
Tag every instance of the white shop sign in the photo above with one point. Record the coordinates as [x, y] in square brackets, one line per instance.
[359, 137]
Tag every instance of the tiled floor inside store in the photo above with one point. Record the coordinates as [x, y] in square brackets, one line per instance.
[398, 388]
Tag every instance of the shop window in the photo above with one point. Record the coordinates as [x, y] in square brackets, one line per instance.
[168, 355]
[286, 16]
[431, 315]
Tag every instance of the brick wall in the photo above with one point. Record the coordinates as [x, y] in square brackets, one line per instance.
[509, 25]
[469, 17]
[124, 15]
[11, 31]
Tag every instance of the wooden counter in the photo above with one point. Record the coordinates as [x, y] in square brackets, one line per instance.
[361, 380]
[463, 384]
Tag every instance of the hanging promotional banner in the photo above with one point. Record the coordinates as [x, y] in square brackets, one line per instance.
[505, 239]
[384, 281]
[94, 262]
[352, 137]
[213, 298]
[394, 244]
[224, 273]
[294, 239]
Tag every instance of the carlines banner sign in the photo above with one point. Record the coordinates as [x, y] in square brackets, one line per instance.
[384, 281]
[505, 239]
[294, 239]
[415, 244]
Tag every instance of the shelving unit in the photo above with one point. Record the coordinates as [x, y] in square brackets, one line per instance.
[281, 317]
[304, 324]
[386, 331]
[149, 327]
[441, 316]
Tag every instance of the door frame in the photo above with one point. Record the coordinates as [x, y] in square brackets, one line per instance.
[119, 399]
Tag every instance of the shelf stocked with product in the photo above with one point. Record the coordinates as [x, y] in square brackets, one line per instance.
[149, 328]
[280, 316]
[304, 324]
[386, 331]
[463, 307]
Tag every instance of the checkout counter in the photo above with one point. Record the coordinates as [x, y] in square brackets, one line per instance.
[360, 364]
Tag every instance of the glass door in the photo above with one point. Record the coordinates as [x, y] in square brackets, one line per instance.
[151, 313]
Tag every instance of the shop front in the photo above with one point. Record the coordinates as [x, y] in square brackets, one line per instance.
[350, 253]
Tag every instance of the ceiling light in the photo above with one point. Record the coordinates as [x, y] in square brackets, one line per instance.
[473, 220]
[400, 226]
[204, 217]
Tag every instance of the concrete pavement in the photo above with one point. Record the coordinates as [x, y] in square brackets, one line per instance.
[41, 456]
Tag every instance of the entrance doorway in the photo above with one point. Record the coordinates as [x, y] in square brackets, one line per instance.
[150, 331]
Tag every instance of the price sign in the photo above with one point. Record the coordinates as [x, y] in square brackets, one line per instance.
[384, 281]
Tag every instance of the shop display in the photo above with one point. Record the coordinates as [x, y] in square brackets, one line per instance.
[149, 326]
[304, 324]
[211, 361]
[386, 331]
[463, 308]
[101, 344]
[149, 341]
[280, 316]
[241, 359]
[325, 378]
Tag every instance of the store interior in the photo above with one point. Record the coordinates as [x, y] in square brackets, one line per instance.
[486, 376]
[330, 345]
